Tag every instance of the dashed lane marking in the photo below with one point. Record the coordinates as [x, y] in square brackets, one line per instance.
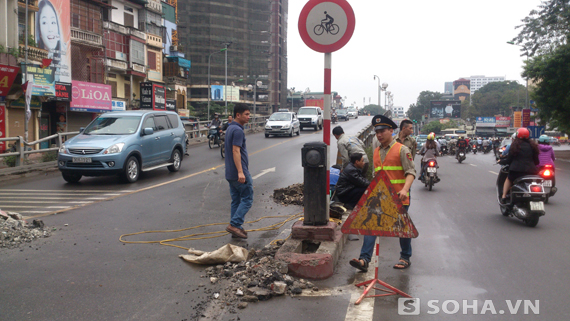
[473, 165]
[493, 173]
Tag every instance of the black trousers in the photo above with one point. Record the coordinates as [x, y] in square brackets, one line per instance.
[352, 197]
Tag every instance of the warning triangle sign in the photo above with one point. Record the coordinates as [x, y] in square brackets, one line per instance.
[380, 212]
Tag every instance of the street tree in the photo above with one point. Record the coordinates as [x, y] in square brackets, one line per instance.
[496, 98]
[436, 127]
[422, 105]
[374, 109]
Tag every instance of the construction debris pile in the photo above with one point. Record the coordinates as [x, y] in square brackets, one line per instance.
[290, 195]
[15, 231]
[259, 278]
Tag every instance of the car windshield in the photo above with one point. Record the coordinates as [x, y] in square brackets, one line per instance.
[342, 111]
[113, 125]
[280, 117]
[307, 111]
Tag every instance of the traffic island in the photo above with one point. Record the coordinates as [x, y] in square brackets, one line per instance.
[313, 258]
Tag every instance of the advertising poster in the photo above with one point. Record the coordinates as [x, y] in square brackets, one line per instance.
[54, 35]
[171, 104]
[217, 92]
[118, 105]
[232, 93]
[485, 121]
[525, 117]
[315, 102]
[146, 95]
[158, 97]
[90, 97]
[517, 119]
[445, 109]
[43, 80]
[7, 76]
[62, 91]
[502, 121]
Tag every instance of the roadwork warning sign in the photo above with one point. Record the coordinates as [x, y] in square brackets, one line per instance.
[380, 212]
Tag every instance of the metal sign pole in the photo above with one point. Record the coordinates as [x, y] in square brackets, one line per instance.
[327, 119]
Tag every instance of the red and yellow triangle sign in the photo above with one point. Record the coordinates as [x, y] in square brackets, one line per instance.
[380, 212]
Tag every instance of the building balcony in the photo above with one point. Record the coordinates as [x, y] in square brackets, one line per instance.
[137, 33]
[139, 68]
[86, 38]
[32, 5]
[117, 64]
[115, 27]
[34, 53]
[176, 81]
[154, 41]
[154, 5]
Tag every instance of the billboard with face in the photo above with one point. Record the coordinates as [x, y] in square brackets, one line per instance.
[53, 34]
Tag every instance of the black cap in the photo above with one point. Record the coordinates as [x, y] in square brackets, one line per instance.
[381, 122]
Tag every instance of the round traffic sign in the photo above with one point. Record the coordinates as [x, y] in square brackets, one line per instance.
[326, 25]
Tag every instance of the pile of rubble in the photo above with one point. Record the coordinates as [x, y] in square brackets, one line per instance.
[15, 231]
[260, 278]
[289, 195]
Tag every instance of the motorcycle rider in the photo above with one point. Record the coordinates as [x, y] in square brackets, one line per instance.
[522, 157]
[443, 144]
[452, 144]
[486, 144]
[546, 156]
[216, 123]
[461, 146]
[479, 143]
[429, 152]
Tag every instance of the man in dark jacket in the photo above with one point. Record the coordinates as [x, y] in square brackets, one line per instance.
[352, 183]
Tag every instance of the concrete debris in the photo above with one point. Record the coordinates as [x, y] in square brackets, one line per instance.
[14, 231]
[260, 278]
[213, 280]
[291, 195]
[216, 295]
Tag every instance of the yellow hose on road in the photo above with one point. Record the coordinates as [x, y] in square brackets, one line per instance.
[209, 235]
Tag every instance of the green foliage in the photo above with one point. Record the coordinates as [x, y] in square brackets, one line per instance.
[14, 52]
[422, 105]
[10, 161]
[436, 127]
[49, 156]
[545, 29]
[31, 41]
[374, 109]
[496, 98]
[2, 49]
[552, 94]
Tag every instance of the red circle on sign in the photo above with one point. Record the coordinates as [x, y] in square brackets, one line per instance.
[334, 46]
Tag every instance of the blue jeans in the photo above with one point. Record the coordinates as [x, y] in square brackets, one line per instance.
[242, 199]
[369, 241]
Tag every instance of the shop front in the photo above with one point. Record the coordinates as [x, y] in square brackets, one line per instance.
[88, 100]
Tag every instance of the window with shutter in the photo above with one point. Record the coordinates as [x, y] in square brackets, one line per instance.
[151, 60]
[113, 88]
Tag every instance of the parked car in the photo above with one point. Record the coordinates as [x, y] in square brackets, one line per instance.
[342, 114]
[124, 143]
[286, 110]
[283, 123]
[352, 112]
[310, 117]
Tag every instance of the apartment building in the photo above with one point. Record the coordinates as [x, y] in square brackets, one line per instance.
[479, 81]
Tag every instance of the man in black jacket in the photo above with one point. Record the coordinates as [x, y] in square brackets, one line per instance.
[352, 183]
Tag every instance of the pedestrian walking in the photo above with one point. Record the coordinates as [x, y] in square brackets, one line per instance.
[237, 171]
[396, 161]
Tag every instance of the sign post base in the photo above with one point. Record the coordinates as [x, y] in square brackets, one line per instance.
[371, 285]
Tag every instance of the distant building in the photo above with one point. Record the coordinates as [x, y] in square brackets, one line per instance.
[461, 89]
[480, 81]
[398, 112]
[448, 88]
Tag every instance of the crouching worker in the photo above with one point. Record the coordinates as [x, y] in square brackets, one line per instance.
[351, 182]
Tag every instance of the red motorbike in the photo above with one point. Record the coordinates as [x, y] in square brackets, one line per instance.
[547, 173]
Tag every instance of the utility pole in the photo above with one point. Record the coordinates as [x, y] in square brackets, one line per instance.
[227, 44]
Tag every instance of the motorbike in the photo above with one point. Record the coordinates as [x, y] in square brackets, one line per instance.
[213, 137]
[525, 200]
[452, 150]
[429, 177]
[223, 144]
[547, 173]
[474, 148]
[444, 150]
[334, 118]
[461, 156]
[487, 149]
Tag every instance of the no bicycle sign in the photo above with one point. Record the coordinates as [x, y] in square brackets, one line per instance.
[326, 25]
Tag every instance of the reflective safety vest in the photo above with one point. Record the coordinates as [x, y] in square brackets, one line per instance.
[392, 166]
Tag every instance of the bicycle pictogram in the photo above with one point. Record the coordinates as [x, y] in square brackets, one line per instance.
[326, 25]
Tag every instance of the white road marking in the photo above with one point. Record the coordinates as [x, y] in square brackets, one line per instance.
[60, 194]
[33, 212]
[493, 173]
[263, 172]
[68, 191]
[473, 165]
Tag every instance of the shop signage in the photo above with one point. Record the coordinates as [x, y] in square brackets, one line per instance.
[525, 117]
[90, 97]
[62, 91]
[7, 76]
[485, 122]
[502, 121]
[146, 95]
[118, 105]
[35, 103]
[153, 96]
[43, 80]
[171, 104]
[517, 119]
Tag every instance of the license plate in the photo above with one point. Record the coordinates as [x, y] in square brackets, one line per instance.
[547, 183]
[431, 170]
[536, 206]
[81, 159]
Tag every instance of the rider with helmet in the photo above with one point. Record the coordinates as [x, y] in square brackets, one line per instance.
[429, 151]
[522, 158]
[546, 155]
[461, 146]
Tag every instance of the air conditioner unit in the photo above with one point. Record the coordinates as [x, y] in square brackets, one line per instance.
[173, 48]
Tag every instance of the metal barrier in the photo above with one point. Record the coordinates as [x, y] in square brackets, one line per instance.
[21, 151]
[199, 129]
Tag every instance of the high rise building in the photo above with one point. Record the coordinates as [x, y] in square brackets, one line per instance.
[448, 89]
[480, 81]
[257, 31]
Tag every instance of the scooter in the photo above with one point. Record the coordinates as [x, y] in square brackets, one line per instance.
[429, 177]
[487, 149]
[334, 118]
[474, 149]
[526, 198]
[443, 150]
[461, 156]
[547, 173]
[213, 137]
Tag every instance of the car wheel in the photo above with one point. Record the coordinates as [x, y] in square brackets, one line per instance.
[316, 127]
[266, 135]
[321, 126]
[291, 133]
[176, 160]
[299, 131]
[132, 170]
[71, 178]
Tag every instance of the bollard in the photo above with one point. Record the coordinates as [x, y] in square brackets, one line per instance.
[314, 160]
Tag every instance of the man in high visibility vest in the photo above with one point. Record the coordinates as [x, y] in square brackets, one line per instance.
[396, 161]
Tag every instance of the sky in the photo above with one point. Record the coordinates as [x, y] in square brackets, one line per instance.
[412, 46]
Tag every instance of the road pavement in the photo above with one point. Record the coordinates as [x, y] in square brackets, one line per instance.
[466, 249]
